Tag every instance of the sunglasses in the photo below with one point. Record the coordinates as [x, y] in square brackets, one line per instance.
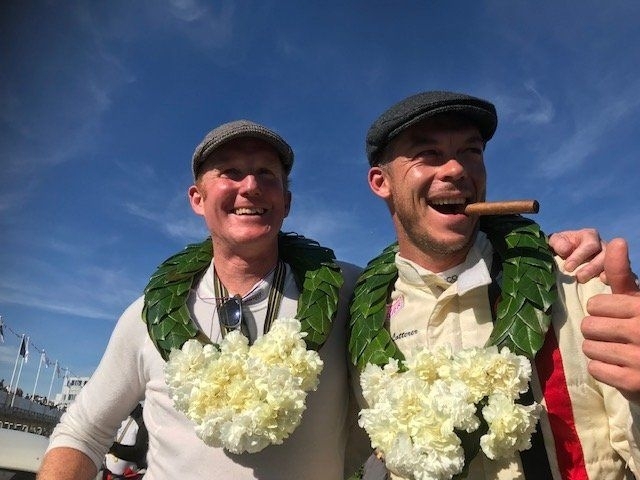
[230, 313]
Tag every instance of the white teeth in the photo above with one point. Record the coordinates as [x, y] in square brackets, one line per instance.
[249, 211]
[449, 201]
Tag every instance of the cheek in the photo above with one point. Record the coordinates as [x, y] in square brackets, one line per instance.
[417, 179]
[478, 174]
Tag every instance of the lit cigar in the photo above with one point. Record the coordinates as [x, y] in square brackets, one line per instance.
[502, 208]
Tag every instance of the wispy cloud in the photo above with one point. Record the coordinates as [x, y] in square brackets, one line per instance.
[54, 115]
[178, 222]
[349, 232]
[596, 119]
[188, 10]
[8, 355]
[81, 290]
[592, 188]
[207, 24]
[320, 224]
[524, 105]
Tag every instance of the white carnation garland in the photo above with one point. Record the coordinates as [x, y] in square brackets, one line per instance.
[425, 402]
[419, 411]
[243, 398]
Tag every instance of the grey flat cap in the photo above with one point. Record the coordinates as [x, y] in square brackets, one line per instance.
[240, 129]
[418, 107]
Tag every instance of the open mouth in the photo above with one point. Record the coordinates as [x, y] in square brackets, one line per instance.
[249, 211]
[449, 206]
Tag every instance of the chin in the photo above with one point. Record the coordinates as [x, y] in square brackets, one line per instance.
[446, 243]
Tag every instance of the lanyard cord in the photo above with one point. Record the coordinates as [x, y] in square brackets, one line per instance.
[276, 292]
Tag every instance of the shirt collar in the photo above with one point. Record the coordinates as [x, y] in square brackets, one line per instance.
[474, 271]
[258, 293]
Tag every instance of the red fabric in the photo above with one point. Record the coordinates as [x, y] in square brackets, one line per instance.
[128, 474]
[554, 388]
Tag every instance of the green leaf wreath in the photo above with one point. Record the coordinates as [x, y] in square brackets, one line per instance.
[314, 267]
[523, 314]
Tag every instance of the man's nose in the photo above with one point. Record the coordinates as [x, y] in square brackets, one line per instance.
[452, 168]
[250, 184]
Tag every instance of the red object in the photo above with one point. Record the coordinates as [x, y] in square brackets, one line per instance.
[554, 389]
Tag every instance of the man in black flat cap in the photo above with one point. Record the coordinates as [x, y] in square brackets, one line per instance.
[452, 276]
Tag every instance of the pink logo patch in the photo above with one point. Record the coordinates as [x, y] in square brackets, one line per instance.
[396, 306]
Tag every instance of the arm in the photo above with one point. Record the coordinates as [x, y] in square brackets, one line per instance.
[577, 247]
[90, 423]
[66, 464]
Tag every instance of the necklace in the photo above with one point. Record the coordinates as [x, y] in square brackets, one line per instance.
[523, 314]
[316, 273]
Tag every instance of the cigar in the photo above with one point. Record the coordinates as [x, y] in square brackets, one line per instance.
[502, 208]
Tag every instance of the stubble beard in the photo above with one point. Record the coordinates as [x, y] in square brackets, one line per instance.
[426, 242]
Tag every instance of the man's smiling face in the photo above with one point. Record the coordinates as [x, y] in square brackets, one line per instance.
[242, 193]
[433, 170]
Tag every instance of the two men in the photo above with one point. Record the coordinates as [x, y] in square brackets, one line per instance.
[246, 271]
[426, 155]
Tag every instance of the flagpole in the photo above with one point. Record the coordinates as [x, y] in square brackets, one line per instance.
[37, 376]
[16, 364]
[55, 370]
[19, 373]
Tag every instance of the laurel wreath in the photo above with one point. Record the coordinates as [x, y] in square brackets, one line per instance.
[316, 273]
[523, 313]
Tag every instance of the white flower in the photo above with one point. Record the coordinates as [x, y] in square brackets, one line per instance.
[413, 416]
[244, 398]
[510, 426]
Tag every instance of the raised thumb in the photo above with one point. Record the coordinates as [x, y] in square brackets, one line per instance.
[617, 267]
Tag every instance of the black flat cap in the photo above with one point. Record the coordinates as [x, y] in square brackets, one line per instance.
[424, 105]
[240, 129]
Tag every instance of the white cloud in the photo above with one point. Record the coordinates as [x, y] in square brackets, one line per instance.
[8, 353]
[322, 224]
[206, 24]
[592, 124]
[529, 107]
[63, 306]
[187, 10]
[175, 220]
[79, 289]
[540, 109]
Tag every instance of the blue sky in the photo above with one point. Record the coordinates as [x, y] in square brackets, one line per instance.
[102, 104]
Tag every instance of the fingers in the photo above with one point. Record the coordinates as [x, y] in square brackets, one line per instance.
[590, 270]
[617, 268]
[561, 244]
[616, 364]
[625, 379]
[612, 329]
[577, 247]
[614, 306]
[621, 354]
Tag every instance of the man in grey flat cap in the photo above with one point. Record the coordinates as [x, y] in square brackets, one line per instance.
[254, 276]
[466, 281]
[240, 280]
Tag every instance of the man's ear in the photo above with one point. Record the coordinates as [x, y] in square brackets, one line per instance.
[287, 203]
[196, 200]
[378, 182]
